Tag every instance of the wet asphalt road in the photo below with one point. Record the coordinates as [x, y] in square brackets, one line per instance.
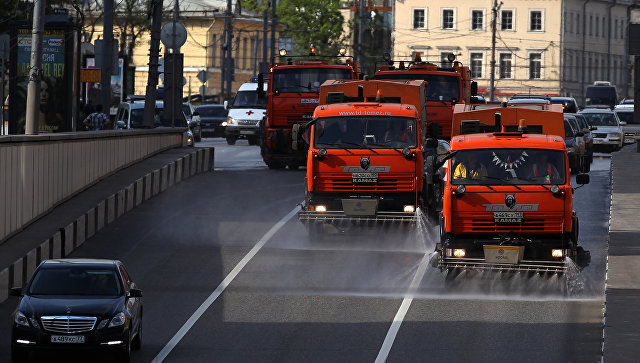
[294, 300]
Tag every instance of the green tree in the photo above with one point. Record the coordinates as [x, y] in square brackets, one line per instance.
[317, 22]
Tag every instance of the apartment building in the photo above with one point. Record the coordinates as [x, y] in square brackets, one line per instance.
[557, 47]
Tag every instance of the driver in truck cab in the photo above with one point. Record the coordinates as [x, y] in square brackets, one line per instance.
[545, 169]
[470, 169]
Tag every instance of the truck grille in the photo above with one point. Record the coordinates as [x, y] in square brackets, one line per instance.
[248, 122]
[68, 324]
[347, 185]
[549, 224]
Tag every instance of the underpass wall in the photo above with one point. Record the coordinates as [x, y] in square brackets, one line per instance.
[39, 172]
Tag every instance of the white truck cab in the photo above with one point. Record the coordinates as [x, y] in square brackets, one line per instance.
[245, 113]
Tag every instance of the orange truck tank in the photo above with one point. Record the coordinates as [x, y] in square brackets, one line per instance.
[507, 204]
[365, 161]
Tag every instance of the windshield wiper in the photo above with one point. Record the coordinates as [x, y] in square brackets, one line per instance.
[388, 147]
[507, 181]
[335, 144]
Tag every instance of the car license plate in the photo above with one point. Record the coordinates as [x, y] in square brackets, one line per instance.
[364, 178]
[598, 141]
[67, 339]
[629, 141]
[503, 254]
[507, 217]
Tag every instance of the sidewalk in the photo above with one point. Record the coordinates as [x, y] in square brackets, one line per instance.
[622, 295]
[69, 224]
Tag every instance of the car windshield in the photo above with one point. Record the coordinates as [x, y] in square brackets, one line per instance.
[218, 111]
[137, 117]
[306, 79]
[439, 87]
[76, 280]
[601, 119]
[568, 130]
[508, 167]
[249, 99]
[365, 132]
[582, 122]
[627, 117]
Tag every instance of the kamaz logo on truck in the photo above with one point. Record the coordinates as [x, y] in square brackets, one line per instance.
[309, 100]
[517, 207]
[370, 169]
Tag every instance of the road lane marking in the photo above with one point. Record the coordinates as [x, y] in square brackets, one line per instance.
[220, 289]
[404, 308]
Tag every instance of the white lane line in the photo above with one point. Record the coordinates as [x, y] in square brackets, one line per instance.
[404, 308]
[220, 289]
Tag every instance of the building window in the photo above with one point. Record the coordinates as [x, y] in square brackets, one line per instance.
[577, 23]
[597, 26]
[505, 65]
[448, 19]
[567, 68]
[590, 25]
[535, 20]
[506, 20]
[244, 53]
[616, 30]
[477, 20]
[535, 65]
[476, 65]
[418, 18]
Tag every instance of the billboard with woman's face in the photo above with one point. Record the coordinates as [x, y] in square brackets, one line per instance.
[55, 90]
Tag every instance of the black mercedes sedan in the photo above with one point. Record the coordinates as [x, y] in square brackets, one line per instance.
[80, 304]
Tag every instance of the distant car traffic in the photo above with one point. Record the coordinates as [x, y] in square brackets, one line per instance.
[193, 120]
[588, 136]
[78, 304]
[576, 148]
[211, 119]
[601, 93]
[245, 113]
[569, 104]
[130, 115]
[609, 134]
[632, 128]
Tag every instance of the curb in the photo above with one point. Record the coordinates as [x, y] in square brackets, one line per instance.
[72, 236]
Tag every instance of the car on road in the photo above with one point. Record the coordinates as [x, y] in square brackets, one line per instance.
[609, 134]
[211, 119]
[245, 113]
[587, 130]
[569, 104]
[130, 115]
[193, 120]
[576, 148]
[632, 128]
[83, 304]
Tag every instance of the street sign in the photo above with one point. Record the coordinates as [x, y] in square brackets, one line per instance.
[90, 75]
[203, 76]
[166, 35]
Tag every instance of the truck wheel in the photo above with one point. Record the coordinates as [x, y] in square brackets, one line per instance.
[575, 231]
[273, 164]
[231, 140]
[253, 140]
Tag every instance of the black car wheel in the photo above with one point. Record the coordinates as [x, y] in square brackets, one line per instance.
[137, 340]
[231, 140]
[18, 354]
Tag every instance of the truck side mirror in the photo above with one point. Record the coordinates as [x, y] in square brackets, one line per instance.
[582, 179]
[474, 88]
[295, 130]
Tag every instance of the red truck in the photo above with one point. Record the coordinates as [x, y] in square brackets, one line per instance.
[292, 95]
[446, 86]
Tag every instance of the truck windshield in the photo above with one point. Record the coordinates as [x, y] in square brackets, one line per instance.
[365, 132]
[508, 167]
[249, 99]
[601, 119]
[439, 87]
[306, 79]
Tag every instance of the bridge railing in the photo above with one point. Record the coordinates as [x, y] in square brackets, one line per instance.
[39, 172]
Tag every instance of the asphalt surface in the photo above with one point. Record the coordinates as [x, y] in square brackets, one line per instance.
[351, 298]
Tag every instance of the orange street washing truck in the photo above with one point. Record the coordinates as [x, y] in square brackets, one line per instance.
[446, 87]
[292, 95]
[365, 156]
[507, 204]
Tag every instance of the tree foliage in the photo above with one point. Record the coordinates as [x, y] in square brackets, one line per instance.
[317, 22]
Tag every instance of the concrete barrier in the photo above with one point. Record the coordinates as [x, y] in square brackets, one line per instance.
[120, 200]
[147, 186]
[164, 175]
[45, 251]
[111, 209]
[32, 263]
[193, 164]
[18, 273]
[172, 174]
[4, 284]
[156, 182]
[91, 222]
[179, 169]
[129, 197]
[68, 243]
[56, 245]
[80, 227]
[139, 191]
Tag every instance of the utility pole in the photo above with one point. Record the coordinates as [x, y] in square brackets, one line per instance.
[494, 26]
[154, 54]
[107, 57]
[274, 24]
[360, 34]
[230, 60]
[35, 73]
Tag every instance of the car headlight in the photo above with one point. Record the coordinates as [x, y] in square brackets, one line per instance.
[615, 135]
[231, 121]
[117, 320]
[21, 319]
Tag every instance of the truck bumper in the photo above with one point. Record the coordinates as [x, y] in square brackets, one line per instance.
[479, 264]
[340, 219]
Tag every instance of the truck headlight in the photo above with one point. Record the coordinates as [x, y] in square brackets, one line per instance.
[409, 209]
[459, 252]
[321, 208]
[557, 253]
[231, 121]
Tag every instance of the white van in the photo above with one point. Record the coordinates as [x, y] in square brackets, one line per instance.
[245, 113]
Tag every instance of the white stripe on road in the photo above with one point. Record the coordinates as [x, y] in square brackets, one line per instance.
[220, 289]
[404, 308]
